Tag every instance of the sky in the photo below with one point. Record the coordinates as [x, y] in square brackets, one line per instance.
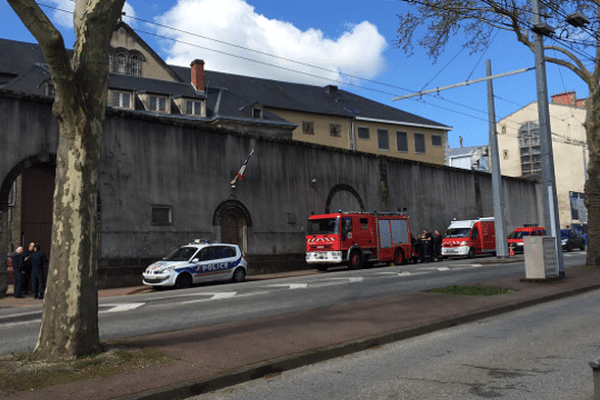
[348, 43]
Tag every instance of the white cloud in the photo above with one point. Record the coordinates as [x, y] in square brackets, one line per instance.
[358, 51]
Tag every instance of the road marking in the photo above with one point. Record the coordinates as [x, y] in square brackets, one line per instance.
[437, 268]
[119, 307]
[213, 296]
[291, 285]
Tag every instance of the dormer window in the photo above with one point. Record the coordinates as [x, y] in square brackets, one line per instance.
[49, 89]
[193, 107]
[120, 99]
[257, 112]
[157, 103]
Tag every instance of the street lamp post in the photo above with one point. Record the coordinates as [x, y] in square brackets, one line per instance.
[551, 218]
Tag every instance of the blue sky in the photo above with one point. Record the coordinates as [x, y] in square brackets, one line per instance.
[313, 41]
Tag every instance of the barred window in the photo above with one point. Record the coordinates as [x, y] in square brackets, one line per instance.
[335, 130]
[158, 103]
[193, 107]
[308, 128]
[120, 99]
[121, 63]
[136, 66]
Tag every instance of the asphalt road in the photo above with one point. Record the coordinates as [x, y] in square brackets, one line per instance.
[217, 303]
[537, 353]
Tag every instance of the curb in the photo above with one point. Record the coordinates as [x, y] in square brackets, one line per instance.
[248, 373]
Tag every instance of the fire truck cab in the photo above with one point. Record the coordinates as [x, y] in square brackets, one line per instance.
[356, 238]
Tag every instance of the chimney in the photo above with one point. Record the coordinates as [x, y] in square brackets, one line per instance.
[198, 74]
[567, 98]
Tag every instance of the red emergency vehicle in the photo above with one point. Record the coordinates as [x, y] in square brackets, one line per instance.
[515, 239]
[469, 237]
[356, 238]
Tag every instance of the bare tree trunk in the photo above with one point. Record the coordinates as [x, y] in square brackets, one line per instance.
[70, 317]
[592, 185]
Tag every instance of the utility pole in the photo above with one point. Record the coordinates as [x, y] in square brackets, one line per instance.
[551, 218]
[498, 193]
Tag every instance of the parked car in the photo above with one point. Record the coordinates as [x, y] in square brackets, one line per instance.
[515, 239]
[198, 261]
[572, 239]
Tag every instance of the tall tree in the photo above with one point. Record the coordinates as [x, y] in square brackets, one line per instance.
[70, 317]
[576, 48]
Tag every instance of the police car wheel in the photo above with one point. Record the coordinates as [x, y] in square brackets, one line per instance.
[239, 275]
[183, 281]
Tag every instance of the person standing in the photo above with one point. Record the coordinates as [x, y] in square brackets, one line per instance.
[426, 239]
[27, 269]
[17, 264]
[38, 262]
[437, 245]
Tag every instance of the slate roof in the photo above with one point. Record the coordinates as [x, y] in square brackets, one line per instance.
[326, 100]
[227, 95]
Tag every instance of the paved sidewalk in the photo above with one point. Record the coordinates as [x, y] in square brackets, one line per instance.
[221, 355]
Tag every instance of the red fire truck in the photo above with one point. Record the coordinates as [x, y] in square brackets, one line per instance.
[356, 238]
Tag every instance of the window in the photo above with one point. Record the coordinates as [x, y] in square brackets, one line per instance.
[436, 140]
[257, 113]
[136, 66]
[505, 154]
[120, 99]
[49, 89]
[193, 107]
[162, 215]
[402, 141]
[363, 133]
[419, 143]
[364, 223]
[383, 139]
[121, 63]
[158, 103]
[335, 130]
[308, 128]
[529, 148]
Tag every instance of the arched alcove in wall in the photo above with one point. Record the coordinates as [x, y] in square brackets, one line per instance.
[343, 197]
[26, 198]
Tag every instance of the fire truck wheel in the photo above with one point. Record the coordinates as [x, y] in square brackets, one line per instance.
[399, 257]
[183, 281]
[355, 261]
[471, 253]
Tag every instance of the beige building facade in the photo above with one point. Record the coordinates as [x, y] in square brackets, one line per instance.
[520, 152]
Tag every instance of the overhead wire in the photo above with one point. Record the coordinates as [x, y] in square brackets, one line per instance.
[337, 72]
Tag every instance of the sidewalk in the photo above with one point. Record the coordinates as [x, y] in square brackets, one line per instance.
[222, 355]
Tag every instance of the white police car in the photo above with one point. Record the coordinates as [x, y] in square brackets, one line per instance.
[199, 261]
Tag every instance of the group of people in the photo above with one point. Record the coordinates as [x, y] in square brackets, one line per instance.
[28, 271]
[428, 247]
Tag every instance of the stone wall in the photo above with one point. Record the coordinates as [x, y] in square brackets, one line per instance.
[187, 166]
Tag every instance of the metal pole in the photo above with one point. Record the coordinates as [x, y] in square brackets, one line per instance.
[551, 218]
[498, 193]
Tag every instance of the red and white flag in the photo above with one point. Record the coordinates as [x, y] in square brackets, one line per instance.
[240, 175]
